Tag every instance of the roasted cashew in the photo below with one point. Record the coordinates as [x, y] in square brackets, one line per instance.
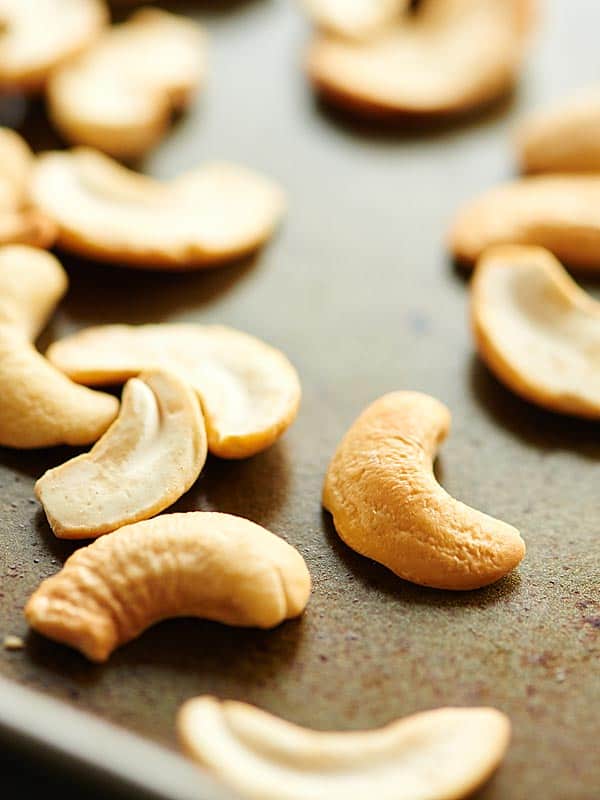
[200, 564]
[387, 505]
[436, 755]
[355, 19]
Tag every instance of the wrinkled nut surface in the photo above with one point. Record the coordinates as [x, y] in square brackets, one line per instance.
[558, 212]
[104, 211]
[388, 506]
[39, 406]
[249, 391]
[435, 755]
[201, 564]
[39, 35]
[120, 94]
[355, 19]
[537, 330]
[152, 453]
[448, 57]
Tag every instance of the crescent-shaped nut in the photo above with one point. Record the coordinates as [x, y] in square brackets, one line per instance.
[250, 393]
[152, 453]
[387, 505]
[201, 564]
[446, 58]
[40, 35]
[558, 212]
[116, 97]
[536, 330]
[214, 214]
[443, 754]
[355, 19]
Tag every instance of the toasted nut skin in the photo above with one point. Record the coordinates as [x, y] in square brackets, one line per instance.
[536, 330]
[355, 19]
[152, 453]
[387, 505]
[249, 391]
[204, 218]
[114, 98]
[443, 754]
[447, 58]
[201, 564]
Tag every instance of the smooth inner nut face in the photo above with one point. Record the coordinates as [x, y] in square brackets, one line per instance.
[214, 214]
[435, 755]
[388, 506]
[200, 564]
[152, 453]
[355, 19]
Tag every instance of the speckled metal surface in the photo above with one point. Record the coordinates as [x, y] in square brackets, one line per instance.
[358, 291]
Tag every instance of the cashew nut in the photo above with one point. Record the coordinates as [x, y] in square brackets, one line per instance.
[104, 211]
[118, 99]
[39, 35]
[39, 406]
[537, 330]
[447, 57]
[152, 453]
[387, 505]
[249, 391]
[201, 564]
[355, 19]
[443, 754]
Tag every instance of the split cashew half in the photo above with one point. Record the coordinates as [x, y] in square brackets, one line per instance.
[355, 19]
[201, 564]
[146, 460]
[443, 754]
[447, 57]
[537, 330]
[214, 214]
[120, 94]
[39, 35]
[558, 212]
[387, 505]
[39, 406]
[249, 391]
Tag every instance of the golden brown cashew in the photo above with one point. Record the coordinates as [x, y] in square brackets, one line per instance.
[203, 218]
[355, 19]
[200, 564]
[249, 391]
[387, 505]
[39, 35]
[152, 453]
[537, 330]
[120, 94]
[448, 57]
[436, 755]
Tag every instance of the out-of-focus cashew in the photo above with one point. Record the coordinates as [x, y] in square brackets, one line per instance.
[200, 564]
[558, 212]
[104, 211]
[355, 19]
[249, 391]
[39, 406]
[443, 754]
[120, 94]
[387, 505]
[447, 57]
[39, 35]
[537, 330]
[152, 453]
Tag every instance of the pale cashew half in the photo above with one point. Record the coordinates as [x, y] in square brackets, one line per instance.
[355, 19]
[249, 391]
[203, 218]
[152, 453]
[387, 505]
[120, 94]
[36, 36]
[199, 564]
[447, 57]
[39, 406]
[443, 754]
[537, 330]
[558, 212]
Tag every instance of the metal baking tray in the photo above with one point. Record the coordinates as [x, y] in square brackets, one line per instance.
[358, 290]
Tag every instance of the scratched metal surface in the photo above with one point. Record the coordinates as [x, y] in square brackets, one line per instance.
[358, 291]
